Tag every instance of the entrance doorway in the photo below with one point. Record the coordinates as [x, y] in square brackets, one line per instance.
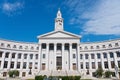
[59, 63]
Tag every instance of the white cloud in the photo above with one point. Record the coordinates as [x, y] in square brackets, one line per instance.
[11, 8]
[101, 19]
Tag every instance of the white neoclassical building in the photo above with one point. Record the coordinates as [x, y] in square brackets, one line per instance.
[59, 53]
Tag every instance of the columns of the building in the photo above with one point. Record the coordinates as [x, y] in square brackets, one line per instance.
[15, 62]
[9, 61]
[109, 61]
[116, 65]
[96, 62]
[21, 64]
[39, 58]
[3, 60]
[90, 62]
[102, 61]
[63, 57]
[54, 59]
[78, 56]
[70, 57]
[47, 57]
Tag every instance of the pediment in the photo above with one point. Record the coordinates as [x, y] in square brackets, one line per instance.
[59, 34]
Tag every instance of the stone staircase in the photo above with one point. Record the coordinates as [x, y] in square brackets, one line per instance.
[59, 73]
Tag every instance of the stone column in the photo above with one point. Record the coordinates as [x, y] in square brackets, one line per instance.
[102, 61]
[9, 60]
[3, 59]
[63, 60]
[47, 57]
[78, 56]
[54, 59]
[39, 58]
[109, 61]
[15, 61]
[70, 57]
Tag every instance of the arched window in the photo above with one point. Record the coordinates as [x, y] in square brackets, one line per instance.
[116, 44]
[110, 45]
[97, 47]
[103, 46]
[32, 48]
[8, 46]
[26, 47]
[14, 46]
[20, 47]
[91, 47]
[2, 44]
[86, 47]
[37, 48]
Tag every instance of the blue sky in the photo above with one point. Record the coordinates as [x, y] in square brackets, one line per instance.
[94, 20]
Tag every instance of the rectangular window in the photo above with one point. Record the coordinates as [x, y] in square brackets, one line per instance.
[118, 54]
[74, 56]
[5, 64]
[74, 66]
[112, 64]
[7, 55]
[105, 55]
[119, 64]
[18, 65]
[43, 66]
[24, 65]
[92, 56]
[19, 56]
[81, 65]
[23, 74]
[0, 64]
[99, 65]
[25, 56]
[81, 56]
[31, 56]
[111, 55]
[106, 64]
[98, 55]
[86, 56]
[43, 46]
[12, 65]
[36, 56]
[13, 55]
[43, 56]
[36, 64]
[1, 53]
[93, 65]
[30, 65]
[87, 65]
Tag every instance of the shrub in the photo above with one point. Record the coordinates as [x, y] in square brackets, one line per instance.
[39, 77]
[13, 72]
[99, 72]
[108, 74]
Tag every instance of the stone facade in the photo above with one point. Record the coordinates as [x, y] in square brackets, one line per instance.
[59, 53]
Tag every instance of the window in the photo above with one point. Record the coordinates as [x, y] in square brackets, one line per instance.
[91, 47]
[81, 65]
[86, 56]
[93, 65]
[31, 56]
[1, 53]
[87, 65]
[86, 48]
[24, 65]
[43, 55]
[23, 74]
[59, 47]
[81, 56]
[97, 47]
[106, 64]
[43, 66]
[36, 56]
[20, 47]
[12, 65]
[74, 46]
[30, 65]
[118, 53]
[92, 56]
[32, 48]
[26, 47]
[112, 64]
[43, 46]
[103, 46]
[36, 64]
[74, 66]
[111, 54]
[2, 44]
[14, 46]
[25, 56]
[98, 55]
[13, 55]
[8, 46]
[105, 55]
[19, 56]
[18, 65]
[74, 56]
[37, 48]
[4, 74]
[51, 46]
[110, 45]
[116, 44]
[0, 63]
[5, 64]
[66, 46]
[119, 64]
[99, 65]
[7, 55]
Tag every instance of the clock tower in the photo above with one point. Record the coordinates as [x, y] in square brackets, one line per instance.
[59, 22]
